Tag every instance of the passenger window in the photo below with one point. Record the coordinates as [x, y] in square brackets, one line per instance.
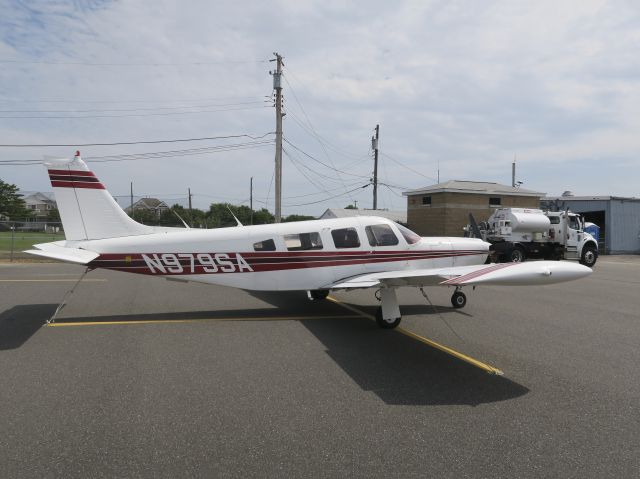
[303, 241]
[345, 238]
[265, 245]
[381, 235]
[408, 235]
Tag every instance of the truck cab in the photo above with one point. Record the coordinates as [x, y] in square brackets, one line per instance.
[567, 229]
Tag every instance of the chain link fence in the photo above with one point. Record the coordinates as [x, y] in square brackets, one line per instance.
[17, 236]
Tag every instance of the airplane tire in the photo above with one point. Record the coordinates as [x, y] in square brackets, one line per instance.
[319, 294]
[386, 323]
[458, 299]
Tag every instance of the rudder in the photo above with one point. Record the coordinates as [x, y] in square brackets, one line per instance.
[87, 210]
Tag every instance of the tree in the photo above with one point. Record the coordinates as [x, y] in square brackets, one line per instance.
[298, 218]
[195, 218]
[350, 207]
[144, 216]
[11, 203]
[219, 215]
[53, 215]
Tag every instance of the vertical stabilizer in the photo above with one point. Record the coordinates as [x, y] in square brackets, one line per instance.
[87, 210]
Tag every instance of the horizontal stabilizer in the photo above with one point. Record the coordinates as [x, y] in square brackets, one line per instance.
[61, 253]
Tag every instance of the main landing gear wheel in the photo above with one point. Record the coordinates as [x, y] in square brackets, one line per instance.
[458, 299]
[386, 323]
[319, 294]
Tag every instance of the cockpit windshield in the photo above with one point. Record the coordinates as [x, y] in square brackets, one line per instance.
[408, 235]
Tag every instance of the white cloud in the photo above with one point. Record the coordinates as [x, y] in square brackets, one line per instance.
[466, 84]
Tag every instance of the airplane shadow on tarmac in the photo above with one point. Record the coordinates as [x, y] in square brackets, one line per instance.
[397, 368]
[21, 322]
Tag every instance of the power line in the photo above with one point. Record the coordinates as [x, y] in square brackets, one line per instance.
[63, 117]
[391, 189]
[408, 168]
[295, 164]
[316, 136]
[150, 142]
[153, 155]
[317, 173]
[18, 100]
[312, 131]
[331, 197]
[90, 64]
[322, 163]
[177, 153]
[314, 194]
[183, 107]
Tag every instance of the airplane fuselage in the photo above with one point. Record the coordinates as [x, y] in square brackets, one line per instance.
[306, 255]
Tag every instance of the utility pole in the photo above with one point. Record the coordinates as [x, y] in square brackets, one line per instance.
[251, 198]
[374, 146]
[513, 172]
[190, 212]
[131, 199]
[277, 86]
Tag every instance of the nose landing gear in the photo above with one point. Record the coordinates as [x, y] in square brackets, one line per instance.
[388, 315]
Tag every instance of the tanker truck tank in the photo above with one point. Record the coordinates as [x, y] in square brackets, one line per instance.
[505, 221]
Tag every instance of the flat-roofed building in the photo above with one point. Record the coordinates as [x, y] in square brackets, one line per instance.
[618, 218]
[443, 209]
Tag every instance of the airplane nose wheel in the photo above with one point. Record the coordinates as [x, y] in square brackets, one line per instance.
[389, 323]
[458, 299]
[388, 314]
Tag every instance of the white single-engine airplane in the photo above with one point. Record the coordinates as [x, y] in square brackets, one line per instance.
[315, 256]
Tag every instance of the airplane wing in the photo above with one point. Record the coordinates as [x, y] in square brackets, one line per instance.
[57, 250]
[505, 274]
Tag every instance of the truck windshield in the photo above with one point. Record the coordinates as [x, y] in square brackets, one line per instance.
[574, 223]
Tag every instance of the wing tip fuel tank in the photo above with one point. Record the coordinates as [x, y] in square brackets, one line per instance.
[523, 274]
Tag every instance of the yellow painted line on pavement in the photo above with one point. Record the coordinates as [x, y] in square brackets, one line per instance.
[195, 320]
[351, 308]
[463, 357]
[479, 364]
[90, 280]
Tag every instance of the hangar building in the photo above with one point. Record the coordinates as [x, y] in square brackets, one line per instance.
[617, 217]
[443, 209]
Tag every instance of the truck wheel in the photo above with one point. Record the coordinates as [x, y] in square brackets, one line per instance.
[517, 255]
[589, 256]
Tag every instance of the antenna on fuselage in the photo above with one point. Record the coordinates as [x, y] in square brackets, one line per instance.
[234, 217]
[180, 218]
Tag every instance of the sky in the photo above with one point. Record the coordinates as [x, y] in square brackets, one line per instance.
[459, 88]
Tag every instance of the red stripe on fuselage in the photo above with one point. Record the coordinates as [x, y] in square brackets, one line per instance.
[261, 262]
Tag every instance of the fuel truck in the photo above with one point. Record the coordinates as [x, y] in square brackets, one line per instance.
[517, 234]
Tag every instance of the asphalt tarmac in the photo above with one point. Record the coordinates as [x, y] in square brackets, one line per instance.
[142, 377]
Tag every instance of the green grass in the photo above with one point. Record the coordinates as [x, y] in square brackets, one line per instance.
[25, 240]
